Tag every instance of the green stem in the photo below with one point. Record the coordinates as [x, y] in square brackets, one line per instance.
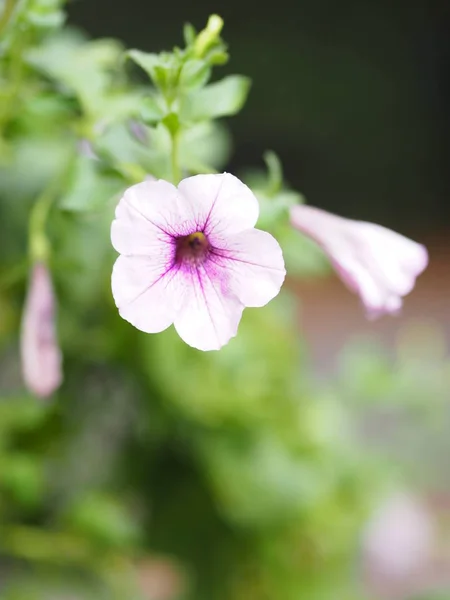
[35, 545]
[176, 171]
[38, 244]
[6, 14]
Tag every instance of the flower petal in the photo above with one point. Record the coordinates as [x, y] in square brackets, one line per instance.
[254, 262]
[40, 353]
[377, 263]
[220, 203]
[149, 213]
[384, 244]
[210, 314]
[143, 290]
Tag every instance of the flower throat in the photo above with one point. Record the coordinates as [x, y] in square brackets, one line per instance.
[192, 249]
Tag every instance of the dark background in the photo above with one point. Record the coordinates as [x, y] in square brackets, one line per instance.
[353, 95]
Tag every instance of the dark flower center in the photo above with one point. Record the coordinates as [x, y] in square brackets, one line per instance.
[192, 249]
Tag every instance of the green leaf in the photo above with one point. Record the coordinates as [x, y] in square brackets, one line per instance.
[89, 187]
[217, 56]
[23, 477]
[205, 147]
[148, 61]
[151, 110]
[194, 74]
[103, 519]
[87, 69]
[46, 20]
[221, 99]
[189, 34]
[275, 173]
[163, 69]
[172, 122]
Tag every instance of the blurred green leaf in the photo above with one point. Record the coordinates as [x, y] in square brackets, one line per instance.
[151, 110]
[104, 520]
[90, 186]
[189, 34]
[274, 173]
[194, 74]
[87, 69]
[22, 477]
[172, 122]
[148, 61]
[163, 69]
[221, 99]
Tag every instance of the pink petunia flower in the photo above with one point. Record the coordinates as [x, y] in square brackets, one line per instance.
[40, 353]
[191, 256]
[376, 263]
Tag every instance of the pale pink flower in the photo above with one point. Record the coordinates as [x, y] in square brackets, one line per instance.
[376, 263]
[40, 353]
[191, 256]
[398, 539]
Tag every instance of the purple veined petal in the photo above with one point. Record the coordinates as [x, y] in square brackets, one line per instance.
[190, 256]
[152, 207]
[40, 354]
[220, 204]
[134, 235]
[377, 263]
[255, 266]
[209, 314]
[144, 291]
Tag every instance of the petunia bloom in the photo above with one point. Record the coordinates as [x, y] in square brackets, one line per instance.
[40, 353]
[378, 264]
[191, 256]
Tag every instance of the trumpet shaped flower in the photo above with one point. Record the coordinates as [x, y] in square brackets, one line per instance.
[190, 256]
[40, 353]
[378, 264]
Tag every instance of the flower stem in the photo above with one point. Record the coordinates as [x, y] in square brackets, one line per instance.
[7, 13]
[176, 172]
[38, 244]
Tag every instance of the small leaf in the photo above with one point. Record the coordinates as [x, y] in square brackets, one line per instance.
[46, 20]
[189, 34]
[148, 61]
[163, 68]
[221, 99]
[172, 122]
[151, 111]
[275, 173]
[217, 56]
[194, 74]
[89, 187]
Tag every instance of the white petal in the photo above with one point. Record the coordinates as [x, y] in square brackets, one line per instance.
[210, 314]
[148, 213]
[377, 263]
[144, 292]
[394, 257]
[220, 204]
[255, 266]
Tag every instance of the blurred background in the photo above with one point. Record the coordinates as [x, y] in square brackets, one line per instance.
[307, 462]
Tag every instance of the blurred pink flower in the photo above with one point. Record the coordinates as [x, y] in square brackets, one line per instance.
[40, 353]
[191, 256]
[376, 263]
[398, 539]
